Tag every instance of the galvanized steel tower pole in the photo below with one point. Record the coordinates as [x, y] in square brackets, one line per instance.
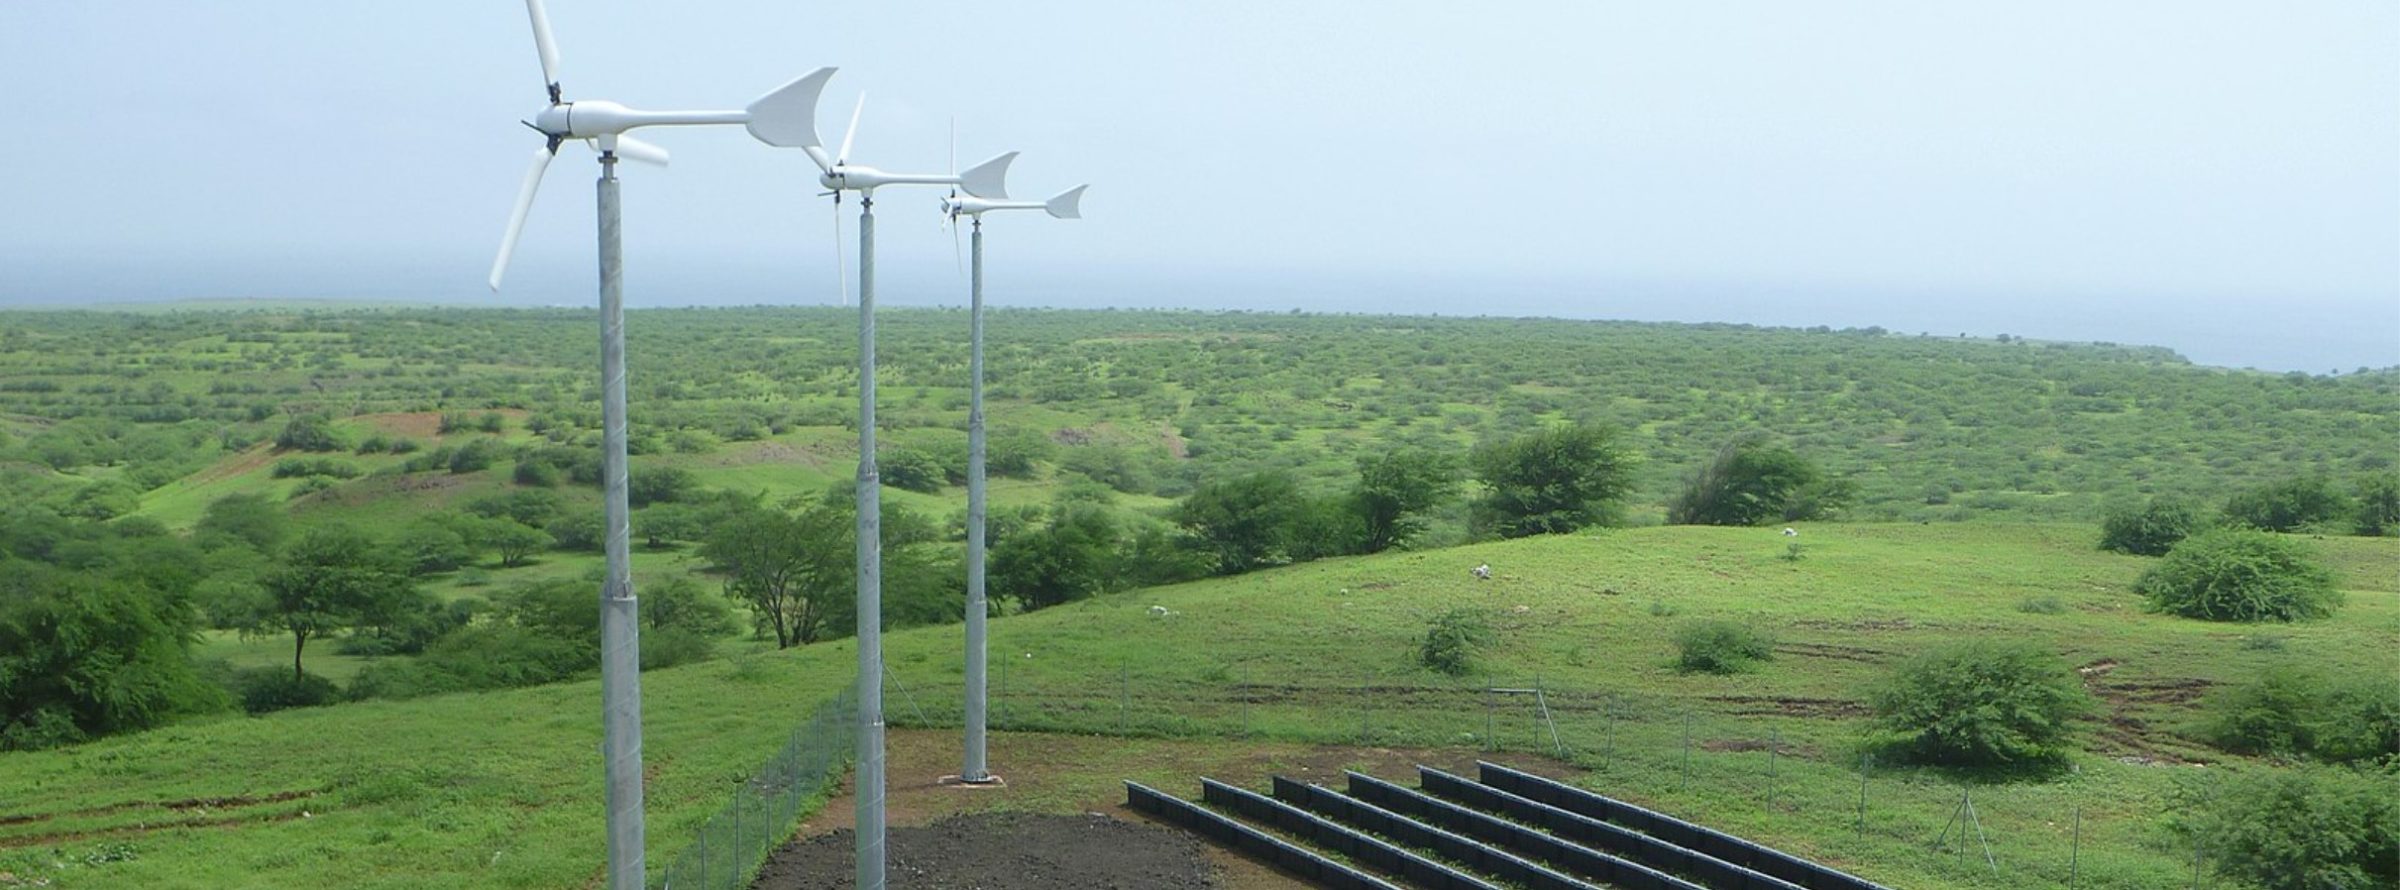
[974, 770]
[869, 793]
[620, 635]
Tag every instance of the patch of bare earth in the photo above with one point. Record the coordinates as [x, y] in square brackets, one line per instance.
[1055, 775]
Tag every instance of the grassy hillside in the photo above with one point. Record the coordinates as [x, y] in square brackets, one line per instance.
[503, 789]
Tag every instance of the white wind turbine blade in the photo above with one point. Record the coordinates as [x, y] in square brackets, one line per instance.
[545, 45]
[516, 218]
[843, 157]
[637, 150]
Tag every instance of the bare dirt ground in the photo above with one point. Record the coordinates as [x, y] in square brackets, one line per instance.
[999, 851]
[1078, 783]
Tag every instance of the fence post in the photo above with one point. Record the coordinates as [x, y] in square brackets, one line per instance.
[1865, 761]
[1366, 707]
[1687, 753]
[1241, 691]
[2075, 850]
[1610, 763]
[1774, 745]
[1489, 743]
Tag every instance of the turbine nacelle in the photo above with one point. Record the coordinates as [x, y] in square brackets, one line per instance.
[986, 180]
[1065, 205]
[593, 118]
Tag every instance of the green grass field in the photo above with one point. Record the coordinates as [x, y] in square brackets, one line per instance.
[503, 789]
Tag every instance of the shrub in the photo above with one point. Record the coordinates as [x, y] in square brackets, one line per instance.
[2240, 575]
[1982, 703]
[1451, 641]
[301, 467]
[582, 531]
[2313, 828]
[2287, 505]
[2287, 711]
[308, 432]
[911, 470]
[2150, 529]
[1718, 646]
[534, 473]
[671, 646]
[2041, 605]
[266, 689]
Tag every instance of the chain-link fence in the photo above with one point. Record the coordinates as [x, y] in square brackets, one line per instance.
[730, 847]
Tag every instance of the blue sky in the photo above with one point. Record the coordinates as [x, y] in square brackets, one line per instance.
[2219, 177]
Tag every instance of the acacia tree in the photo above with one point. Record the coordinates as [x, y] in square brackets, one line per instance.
[1394, 488]
[1246, 521]
[1551, 481]
[331, 578]
[1751, 481]
[765, 555]
[1071, 557]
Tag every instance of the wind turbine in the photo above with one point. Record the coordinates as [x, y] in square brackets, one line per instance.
[838, 175]
[1064, 206]
[603, 124]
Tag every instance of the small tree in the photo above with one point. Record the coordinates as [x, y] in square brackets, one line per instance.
[308, 432]
[1071, 557]
[1245, 521]
[1751, 481]
[659, 485]
[1984, 702]
[249, 518]
[1551, 481]
[2378, 505]
[2150, 529]
[2240, 575]
[330, 578]
[514, 543]
[1394, 488]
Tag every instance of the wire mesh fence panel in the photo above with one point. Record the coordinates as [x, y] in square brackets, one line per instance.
[727, 850]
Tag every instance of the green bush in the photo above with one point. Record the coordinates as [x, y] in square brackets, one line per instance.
[2310, 828]
[2240, 575]
[2150, 529]
[1982, 703]
[308, 432]
[2041, 605]
[1718, 646]
[2287, 505]
[911, 470]
[1751, 481]
[300, 467]
[2287, 711]
[1451, 641]
[266, 689]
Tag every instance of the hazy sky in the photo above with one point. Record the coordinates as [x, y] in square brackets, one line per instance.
[2218, 177]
